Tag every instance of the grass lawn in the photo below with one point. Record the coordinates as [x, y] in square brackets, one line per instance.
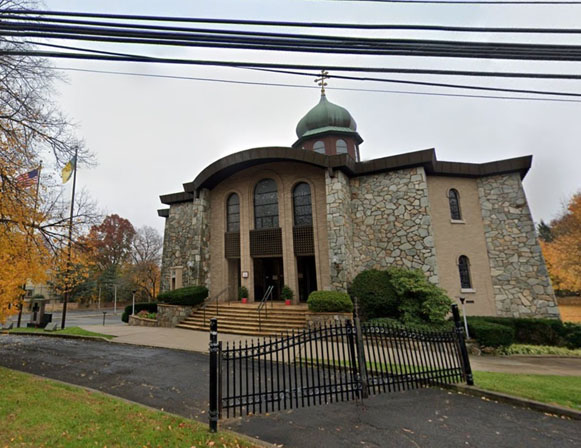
[551, 389]
[36, 412]
[75, 331]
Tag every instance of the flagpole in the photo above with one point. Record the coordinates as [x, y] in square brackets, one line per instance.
[67, 291]
[27, 239]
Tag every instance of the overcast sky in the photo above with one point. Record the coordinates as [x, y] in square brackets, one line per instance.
[151, 135]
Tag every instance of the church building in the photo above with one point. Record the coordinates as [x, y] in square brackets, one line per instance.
[314, 215]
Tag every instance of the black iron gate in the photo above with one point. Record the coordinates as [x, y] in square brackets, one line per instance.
[330, 362]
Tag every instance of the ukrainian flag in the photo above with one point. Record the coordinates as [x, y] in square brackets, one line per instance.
[67, 171]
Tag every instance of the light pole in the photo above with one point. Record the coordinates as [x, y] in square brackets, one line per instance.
[115, 300]
[133, 311]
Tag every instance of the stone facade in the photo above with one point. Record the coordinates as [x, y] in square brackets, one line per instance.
[519, 276]
[339, 230]
[185, 242]
[391, 222]
[170, 316]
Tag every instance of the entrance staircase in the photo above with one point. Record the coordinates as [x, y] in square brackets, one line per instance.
[238, 318]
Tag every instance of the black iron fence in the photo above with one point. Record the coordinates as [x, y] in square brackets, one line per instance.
[328, 363]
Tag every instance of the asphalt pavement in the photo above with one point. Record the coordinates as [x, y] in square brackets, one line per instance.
[177, 381]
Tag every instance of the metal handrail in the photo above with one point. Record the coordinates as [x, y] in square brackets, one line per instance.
[262, 305]
[209, 300]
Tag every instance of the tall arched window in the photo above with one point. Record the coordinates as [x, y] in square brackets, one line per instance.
[233, 213]
[265, 204]
[464, 270]
[341, 146]
[303, 213]
[319, 147]
[454, 200]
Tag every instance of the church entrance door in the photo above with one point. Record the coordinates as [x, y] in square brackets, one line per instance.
[267, 272]
[307, 272]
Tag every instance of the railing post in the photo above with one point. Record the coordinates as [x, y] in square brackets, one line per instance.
[462, 345]
[360, 352]
[214, 351]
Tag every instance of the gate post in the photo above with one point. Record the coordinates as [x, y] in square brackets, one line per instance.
[360, 352]
[462, 345]
[214, 350]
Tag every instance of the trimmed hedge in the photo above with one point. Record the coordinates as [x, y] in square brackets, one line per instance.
[376, 295]
[537, 331]
[387, 321]
[329, 302]
[490, 334]
[188, 296]
[147, 306]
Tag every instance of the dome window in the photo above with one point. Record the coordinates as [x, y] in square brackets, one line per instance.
[341, 146]
[319, 147]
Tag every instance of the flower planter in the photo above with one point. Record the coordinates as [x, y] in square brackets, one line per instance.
[287, 302]
[244, 300]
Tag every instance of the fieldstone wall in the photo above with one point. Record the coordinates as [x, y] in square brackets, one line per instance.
[392, 223]
[142, 321]
[185, 242]
[315, 319]
[520, 280]
[170, 316]
[339, 230]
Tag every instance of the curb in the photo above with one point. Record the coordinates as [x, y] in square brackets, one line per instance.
[249, 439]
[56, 335]
[553, 410]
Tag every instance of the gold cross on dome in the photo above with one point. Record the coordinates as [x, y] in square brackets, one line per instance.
[321, 80]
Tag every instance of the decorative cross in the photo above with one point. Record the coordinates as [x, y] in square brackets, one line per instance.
[321, 80]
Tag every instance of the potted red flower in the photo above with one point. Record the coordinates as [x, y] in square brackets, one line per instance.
[287, 295]
[243, 294]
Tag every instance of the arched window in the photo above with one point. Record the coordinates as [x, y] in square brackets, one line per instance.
[303, 212]
[341, 146]
[319, 147]
[265, 204]
[464, 270]
[454, 200]
[233, 213]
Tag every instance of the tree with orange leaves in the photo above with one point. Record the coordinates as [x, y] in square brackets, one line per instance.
[562, 249]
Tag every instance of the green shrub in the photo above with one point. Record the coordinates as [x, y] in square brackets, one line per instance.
[329, 301]
[402, 294]
[375, 294]
[242, 292]
[419, 300]
[489, 334]
[536, 331]
[147, 306]
[188, 296]
[572, 335]
[521, 349]
[287, 293]
[445, 326]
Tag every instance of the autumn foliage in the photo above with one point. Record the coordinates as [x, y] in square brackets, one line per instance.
[562, 247]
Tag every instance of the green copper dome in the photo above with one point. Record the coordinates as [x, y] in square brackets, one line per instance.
[325, 116]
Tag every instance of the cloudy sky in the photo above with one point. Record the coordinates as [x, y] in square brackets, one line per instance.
[150, 135]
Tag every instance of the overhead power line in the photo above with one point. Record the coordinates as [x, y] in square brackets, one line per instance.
[361, 26]
[136, 58]
[297, 43]
[282, 68]
[350, 89]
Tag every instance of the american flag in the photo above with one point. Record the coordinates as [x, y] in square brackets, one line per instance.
[27, 180]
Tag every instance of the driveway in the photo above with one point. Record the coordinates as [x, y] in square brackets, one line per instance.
[176, 381]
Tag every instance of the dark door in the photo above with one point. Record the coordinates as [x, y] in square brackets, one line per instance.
[268, 271]
[307, 272]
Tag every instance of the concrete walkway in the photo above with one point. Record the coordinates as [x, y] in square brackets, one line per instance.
[197, 341]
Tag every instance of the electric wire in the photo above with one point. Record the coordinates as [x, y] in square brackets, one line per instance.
[272, 84]
[253, 65]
